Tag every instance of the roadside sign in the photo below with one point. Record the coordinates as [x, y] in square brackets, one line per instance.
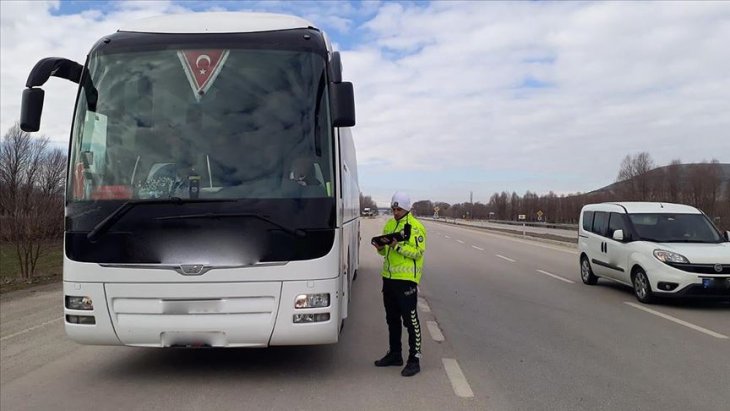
[521, 217]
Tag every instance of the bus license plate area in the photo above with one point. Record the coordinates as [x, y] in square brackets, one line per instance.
[192, 339]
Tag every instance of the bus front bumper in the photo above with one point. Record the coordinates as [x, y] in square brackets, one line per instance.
[241, 314]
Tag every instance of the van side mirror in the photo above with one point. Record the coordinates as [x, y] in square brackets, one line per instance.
[618, 235]
[342, 102]
[31, 109]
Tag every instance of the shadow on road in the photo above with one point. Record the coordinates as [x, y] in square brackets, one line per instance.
[696, 303]
[154, 364]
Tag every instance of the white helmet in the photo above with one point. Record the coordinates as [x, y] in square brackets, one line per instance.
[401, 200]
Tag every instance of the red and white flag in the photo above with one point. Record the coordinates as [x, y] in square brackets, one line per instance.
[202, 68]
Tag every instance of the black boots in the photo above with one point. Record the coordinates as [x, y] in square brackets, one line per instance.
[390, 358]
[413, 367]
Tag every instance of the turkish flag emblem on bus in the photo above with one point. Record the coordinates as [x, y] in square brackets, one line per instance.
[202, 68]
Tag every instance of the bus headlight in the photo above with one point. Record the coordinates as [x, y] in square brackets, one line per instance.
[312, 300]
[79, 303]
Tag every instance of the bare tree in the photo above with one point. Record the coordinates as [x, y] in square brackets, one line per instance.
[673, 179]
[31, 204]
[367, 201]
[422, 208]
[634, 172]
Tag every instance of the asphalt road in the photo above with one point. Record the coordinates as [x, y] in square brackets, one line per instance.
[517, 330]
[569, 235]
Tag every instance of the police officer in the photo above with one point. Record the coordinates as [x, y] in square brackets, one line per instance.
[401, 273]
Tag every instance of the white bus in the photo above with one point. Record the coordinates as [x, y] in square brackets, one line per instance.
[212, 192]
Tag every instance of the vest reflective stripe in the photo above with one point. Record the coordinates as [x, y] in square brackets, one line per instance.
[405, 261]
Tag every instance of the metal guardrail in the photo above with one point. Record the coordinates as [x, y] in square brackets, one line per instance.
[519, 229]
[570, 227]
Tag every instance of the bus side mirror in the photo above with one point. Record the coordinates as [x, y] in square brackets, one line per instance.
[31, 109]
[342, 100]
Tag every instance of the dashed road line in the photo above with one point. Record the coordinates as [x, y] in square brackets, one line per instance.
[478, 248]
[447, 236]
[556, 276]
[423, 306]
[505, 258]
[459, 241]
[27, 330]
[678, 321]
[435, 331]
[456, 377]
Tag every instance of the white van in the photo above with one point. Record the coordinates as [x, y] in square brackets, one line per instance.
[658, 249]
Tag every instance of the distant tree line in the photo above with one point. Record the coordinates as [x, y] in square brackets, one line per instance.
[32, 180]
[705, 186]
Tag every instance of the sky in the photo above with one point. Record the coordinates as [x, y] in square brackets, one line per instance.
[459, 99]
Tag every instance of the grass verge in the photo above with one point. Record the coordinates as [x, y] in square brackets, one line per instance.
[48, 269]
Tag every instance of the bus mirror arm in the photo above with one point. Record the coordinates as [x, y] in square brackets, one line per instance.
[54, 66]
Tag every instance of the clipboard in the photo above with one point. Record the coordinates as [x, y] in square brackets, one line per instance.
[386, 239]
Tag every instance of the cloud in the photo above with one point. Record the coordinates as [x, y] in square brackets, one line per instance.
[455, 97]
[615, 78]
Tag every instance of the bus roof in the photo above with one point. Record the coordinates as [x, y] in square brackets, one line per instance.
[217, 22]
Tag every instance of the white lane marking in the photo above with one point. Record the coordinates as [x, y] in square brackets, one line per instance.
[678, 321]
[27, 330]
[459, 241]
[478, 248]
[447, 236]
[456, 377]
[435, 331]
[556, 276]
[505, 258]
[423, 306]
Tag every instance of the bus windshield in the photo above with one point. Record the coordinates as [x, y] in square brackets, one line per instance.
[193, 143]
[203, 123]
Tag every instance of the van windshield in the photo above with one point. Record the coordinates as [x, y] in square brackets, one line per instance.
[675, 228]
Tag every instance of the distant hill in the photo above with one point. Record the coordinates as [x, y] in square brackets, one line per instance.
[685, 172]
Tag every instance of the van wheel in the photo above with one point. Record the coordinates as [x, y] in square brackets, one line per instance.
[642, 287]
[586, 272]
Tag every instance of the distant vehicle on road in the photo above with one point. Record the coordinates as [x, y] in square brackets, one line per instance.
[367, 212]
[659, 249]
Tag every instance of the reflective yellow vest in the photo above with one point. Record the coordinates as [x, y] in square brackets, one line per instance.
[405, 260]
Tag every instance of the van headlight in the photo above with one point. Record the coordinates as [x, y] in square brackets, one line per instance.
[670, 257]
[312, 300]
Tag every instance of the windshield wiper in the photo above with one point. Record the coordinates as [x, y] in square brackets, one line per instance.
[117, 214]
[293, 231]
